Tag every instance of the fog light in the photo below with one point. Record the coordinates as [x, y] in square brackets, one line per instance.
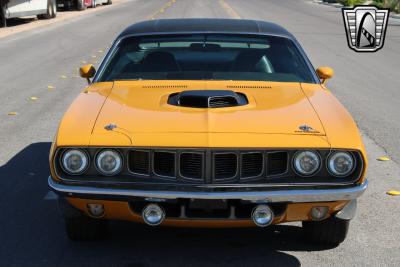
[153, 214]
[96, 210]
[319, 213]
[262, 215]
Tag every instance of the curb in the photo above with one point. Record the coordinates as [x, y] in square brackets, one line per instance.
[394, 15]
[337, 5]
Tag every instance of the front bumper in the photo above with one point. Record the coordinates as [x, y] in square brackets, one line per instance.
[270, 196]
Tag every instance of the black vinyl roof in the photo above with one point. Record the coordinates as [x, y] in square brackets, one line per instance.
[200, 25]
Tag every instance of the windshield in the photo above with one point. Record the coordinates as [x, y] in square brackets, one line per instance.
[206, 57]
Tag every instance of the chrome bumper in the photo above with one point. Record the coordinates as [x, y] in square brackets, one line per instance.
[295, 195]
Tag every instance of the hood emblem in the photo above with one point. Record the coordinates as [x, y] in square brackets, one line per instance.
[306, 129]
[110, 127]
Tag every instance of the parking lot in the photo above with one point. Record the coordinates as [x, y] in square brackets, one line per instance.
[39, 79]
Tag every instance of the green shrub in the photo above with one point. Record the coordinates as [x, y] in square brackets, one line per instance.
[394, 5]
[351, 2]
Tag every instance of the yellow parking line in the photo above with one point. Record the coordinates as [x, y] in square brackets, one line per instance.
[231, 12]
[384, 158]
[161, 10]
[393, 193]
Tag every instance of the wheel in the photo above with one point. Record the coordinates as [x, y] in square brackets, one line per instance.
[3, 21]
[54, 9]
[109, 2]
[51, 10]
[331, 231]
[84, 228]
[80, 5]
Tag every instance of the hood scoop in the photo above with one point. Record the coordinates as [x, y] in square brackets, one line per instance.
[207, 99]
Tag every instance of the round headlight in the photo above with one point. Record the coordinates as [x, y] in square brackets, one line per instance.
[306, 163]
[109, 162]
[340, 163]
[75, 161]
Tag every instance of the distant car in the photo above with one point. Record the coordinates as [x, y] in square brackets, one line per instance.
[81, 4]
[43, 9]
[207, 123]
[102, 2]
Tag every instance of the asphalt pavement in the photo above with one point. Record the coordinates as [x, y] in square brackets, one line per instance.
[39, 79]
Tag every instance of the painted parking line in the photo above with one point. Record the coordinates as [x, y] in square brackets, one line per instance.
[169, 4]
[228, 9]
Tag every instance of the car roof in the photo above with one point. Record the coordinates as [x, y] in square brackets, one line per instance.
[201, 25]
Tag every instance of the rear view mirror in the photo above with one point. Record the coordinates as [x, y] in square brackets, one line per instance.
[325, 73]
[88, 71]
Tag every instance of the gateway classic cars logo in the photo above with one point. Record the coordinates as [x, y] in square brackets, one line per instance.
[365, 27]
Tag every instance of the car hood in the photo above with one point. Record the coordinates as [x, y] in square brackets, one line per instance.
[140, 107]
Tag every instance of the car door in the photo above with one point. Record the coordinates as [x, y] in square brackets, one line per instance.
[21, 8]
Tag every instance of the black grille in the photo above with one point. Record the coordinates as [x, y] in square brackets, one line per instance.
[252, 164]
[191, 165]
[139, 162]
[225, 166]
[277, 163]
[164, 164]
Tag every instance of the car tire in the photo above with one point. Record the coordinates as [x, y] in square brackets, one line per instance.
[51, 10]
[3, 20]
[80, 5]
[109, 2]
[84, 228]
[331, 231]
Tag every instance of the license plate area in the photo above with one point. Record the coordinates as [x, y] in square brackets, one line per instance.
[207, 209]
[208, 204]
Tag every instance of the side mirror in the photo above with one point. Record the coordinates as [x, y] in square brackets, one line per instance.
[325, 73]
[88, 71]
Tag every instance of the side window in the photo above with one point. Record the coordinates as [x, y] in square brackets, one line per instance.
[300, 66]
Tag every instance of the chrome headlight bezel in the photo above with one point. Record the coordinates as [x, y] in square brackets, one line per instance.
[85, 157]
[329, 162]
[295, 164]
[117, 169]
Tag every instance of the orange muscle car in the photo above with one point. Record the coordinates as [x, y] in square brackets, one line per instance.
[207, 123]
